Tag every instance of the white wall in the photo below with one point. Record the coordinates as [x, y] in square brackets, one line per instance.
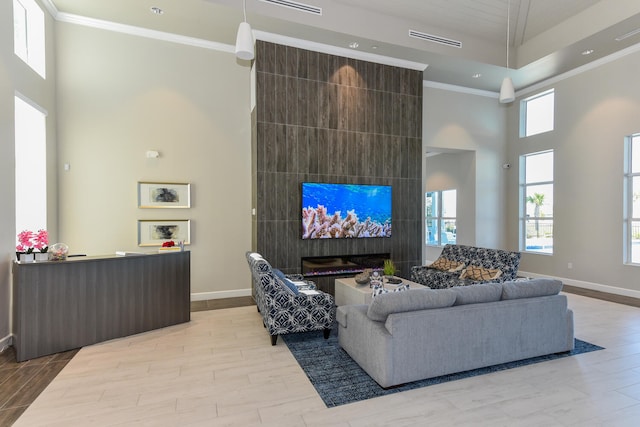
[17, 77]
[594, 112]
[121, 95]
[476, 125]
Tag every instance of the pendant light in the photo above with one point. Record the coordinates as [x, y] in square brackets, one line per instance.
[507, 92]
[244, 39]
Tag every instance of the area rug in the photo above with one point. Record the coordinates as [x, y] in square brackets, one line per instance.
[339, 380]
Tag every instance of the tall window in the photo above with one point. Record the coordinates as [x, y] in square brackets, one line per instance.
[28, 34]
[31, 167]
[632, 200]
[536, 203]
[440, 212]
[536, 113]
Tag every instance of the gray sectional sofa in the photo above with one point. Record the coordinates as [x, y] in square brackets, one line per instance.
[424, 333]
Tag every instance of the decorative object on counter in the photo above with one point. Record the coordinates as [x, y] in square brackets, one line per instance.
[31, 244]
[58, 252]
[364, 277]
[164, 195]
[170, 246]
[376, 279]
[155, 233]
[389, 268]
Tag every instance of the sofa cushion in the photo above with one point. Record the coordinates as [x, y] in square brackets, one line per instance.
[477, 294]
[531, 289]
[413, 299]
[286, 281]
[474, 272]
[445, 264]
[379, 290]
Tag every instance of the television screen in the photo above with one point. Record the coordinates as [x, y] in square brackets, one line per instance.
[334, 211]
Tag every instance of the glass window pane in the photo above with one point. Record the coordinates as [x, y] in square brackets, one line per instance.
[449, 203]
[635, 154]
[539, 236]
[431, 204]
[636, 197]
[635, 242]
[539, 167]
[540, 201]
[539, 114]
[431, 227]
[448, 231]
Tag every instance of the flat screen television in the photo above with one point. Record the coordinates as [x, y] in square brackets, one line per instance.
[334, 211]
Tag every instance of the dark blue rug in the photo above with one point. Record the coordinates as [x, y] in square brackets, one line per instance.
[339, 380]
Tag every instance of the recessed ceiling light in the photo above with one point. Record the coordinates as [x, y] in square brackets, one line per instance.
[354, 45]
[587, 52]
[374, 47]
[476, 75]
[157, 10]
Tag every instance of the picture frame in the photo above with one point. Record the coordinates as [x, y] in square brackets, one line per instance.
[156, 232]
[164, 195]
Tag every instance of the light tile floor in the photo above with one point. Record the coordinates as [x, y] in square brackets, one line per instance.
[220, 369]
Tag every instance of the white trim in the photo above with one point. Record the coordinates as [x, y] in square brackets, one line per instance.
[29, 101]
[203, 296]
[461, 89]
[6, 342]
[588, 285]
[51, 8]
[143, 32]
[340, 51]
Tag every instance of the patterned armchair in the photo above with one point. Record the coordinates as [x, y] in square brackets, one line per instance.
[484, 262]
[285, 308]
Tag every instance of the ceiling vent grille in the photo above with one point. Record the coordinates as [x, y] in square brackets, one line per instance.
[297, 6]
[435, 39]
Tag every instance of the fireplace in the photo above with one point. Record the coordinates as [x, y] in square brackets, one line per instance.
[341, 264]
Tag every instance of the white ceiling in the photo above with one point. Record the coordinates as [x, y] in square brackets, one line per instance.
[546, 36]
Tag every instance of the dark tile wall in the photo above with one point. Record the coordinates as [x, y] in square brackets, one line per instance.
[326, 118]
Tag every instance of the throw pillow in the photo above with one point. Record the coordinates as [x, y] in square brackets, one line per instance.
[377, 289]
[444, 264]
[474, 272]
[280, 276]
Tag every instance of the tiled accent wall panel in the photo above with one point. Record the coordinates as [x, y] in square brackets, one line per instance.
[325, 118]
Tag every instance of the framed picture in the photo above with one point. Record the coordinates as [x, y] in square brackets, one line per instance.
[164, 195]
[155, 233]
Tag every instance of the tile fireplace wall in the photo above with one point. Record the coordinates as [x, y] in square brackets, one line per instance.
[326, 118]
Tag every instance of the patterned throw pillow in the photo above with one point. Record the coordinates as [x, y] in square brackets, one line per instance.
[378, 290]
[447, 265]
[474, 272]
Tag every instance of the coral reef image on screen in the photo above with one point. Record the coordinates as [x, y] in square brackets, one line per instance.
[334, 211]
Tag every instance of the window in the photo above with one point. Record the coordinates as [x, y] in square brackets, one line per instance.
[28, 34]
[536, 205]
[440, 212]
[31, 167]
[632, 200]
[537, 114]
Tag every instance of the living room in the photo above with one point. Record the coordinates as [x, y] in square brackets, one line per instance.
[111, 96]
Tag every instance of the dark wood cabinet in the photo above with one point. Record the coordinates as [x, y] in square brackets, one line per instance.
[62, 305]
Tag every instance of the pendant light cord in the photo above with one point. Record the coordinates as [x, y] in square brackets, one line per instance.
[244, 12]
[508, 29]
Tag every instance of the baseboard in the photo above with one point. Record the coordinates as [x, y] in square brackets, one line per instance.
[203, 296]
[588, 285]
[6, 342]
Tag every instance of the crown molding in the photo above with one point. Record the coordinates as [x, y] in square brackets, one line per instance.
[51, 8]
[461, 89]
[340, 51]
[143, 32]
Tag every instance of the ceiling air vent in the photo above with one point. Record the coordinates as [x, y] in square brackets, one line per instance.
[297, 6]
[435, 39]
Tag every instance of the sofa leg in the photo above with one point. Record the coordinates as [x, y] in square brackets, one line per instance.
[274, 338]
[326, 332]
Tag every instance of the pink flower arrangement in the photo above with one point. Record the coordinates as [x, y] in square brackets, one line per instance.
[28, 241]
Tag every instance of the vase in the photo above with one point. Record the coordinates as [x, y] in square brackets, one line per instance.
[26, 258]
[42, 256]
